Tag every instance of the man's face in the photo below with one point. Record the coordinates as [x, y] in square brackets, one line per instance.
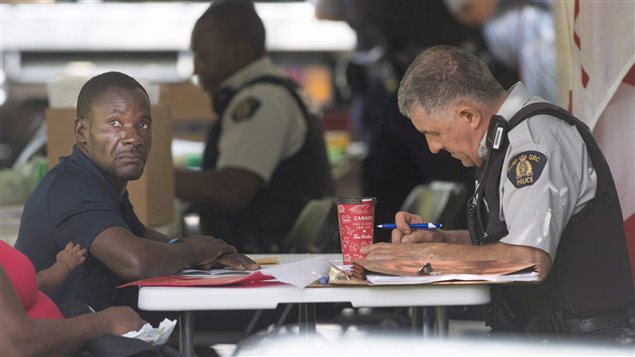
[449, 132]
[118, 136]
[213, 56]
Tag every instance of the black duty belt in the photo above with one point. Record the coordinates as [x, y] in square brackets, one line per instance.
[579, 325]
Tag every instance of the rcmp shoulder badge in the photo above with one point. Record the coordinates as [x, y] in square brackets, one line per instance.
[245, 109]
[525, 168]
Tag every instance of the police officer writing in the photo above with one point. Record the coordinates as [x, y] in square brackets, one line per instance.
[84, 200]
[544, 195]
[265, 156]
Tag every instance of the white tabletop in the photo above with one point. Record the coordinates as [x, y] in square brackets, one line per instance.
[269, 296]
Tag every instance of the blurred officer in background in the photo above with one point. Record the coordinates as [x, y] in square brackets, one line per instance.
[265, 156]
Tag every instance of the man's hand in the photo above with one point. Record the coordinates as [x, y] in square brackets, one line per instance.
[119, 320]
[237, 261]
[72, 256]
[404, 234]
[212, 247]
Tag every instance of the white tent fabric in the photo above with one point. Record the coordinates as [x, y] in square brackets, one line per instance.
[601, 73]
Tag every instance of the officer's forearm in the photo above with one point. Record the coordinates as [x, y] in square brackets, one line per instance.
[229, 190]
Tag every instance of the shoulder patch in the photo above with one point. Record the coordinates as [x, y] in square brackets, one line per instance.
[245, 109]
[525, 168]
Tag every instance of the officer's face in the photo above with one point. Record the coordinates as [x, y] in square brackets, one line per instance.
[118, 136]
[214, 56]
[445, 131]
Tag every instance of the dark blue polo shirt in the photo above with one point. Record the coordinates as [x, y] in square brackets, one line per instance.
[74, 203]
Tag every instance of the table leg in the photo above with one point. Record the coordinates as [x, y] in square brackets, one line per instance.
[422, 321]
[416, 321]
[186, 330]
[306, 320]
[441, 314]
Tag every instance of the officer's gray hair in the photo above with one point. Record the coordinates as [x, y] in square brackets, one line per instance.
[443, 75]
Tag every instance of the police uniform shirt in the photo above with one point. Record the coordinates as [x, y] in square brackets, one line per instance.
[262, 125]
[546, 178]
[75, 202]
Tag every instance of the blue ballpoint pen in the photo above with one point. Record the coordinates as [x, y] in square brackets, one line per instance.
[412, 225]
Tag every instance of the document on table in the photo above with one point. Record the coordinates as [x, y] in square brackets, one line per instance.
[379, 279]
[212, 272]
[299, 273]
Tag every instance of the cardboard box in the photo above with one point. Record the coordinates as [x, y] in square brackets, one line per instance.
[152, 195]
[190, 110]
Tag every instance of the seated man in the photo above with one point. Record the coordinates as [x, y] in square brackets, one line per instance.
[265, 156]
[544, 195]
[84, 200]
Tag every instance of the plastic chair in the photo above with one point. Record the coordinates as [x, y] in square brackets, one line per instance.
[315, 230]
[438, 201]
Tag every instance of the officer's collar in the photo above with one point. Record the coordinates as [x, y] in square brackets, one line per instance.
[251, 71]
[518, 96]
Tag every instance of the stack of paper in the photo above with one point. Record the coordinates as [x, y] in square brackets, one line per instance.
[404, 272]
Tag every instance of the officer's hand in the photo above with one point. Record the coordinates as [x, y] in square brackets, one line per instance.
[404, 234]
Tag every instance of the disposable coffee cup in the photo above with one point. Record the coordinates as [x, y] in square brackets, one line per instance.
[356, 217]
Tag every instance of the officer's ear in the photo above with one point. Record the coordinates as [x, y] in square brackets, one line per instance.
[470, 115]
[81, 130]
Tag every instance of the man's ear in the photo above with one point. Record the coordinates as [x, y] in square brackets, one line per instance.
[470, 114]
[81, 130]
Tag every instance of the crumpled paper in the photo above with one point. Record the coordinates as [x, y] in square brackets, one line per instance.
[300, 273]
[155, 336]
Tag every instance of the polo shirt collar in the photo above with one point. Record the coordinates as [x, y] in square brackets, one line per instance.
[89, 165]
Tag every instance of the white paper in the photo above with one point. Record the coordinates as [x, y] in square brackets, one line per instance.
[155, 336]
[300, 273]
[377, 279]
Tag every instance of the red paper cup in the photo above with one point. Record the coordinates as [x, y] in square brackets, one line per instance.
[357, 221]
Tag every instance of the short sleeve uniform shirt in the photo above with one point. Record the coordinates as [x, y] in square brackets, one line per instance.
[75, 203]
[273, 129]
[546, 178]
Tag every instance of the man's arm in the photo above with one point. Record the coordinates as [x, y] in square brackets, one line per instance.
[154, 235]
[133, 258]
[229, 190]
[23, 336]
[447, 251]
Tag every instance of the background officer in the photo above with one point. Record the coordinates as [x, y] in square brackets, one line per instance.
[265, 156]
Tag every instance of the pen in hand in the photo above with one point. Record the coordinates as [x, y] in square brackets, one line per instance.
[412, 225]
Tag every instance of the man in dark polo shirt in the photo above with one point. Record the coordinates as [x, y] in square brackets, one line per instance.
[84, 200]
